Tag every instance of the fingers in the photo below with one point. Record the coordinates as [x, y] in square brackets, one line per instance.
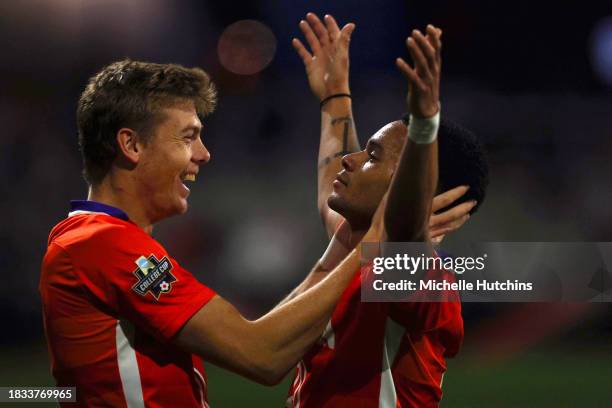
[436, 235]
[420, 62]
[424, 75]
[347, 32]
[438, 238]
[301, 50]
[319, 28]
[426, 49]
[448, 228]
[448, 197]
[450, 216]
[311, 38]
[425, 53]
[433, 36]
[320, 36]
[408, 71]
[332, 27]
[453, 219]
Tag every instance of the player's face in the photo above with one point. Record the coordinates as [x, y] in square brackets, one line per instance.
[170, 159]
[366, 175]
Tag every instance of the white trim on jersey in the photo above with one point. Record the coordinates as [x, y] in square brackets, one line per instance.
[328, 338]
[387, 398]
[128, 365]
[293, 401]
[202, 387]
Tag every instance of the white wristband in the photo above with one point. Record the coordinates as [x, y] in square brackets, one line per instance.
[424, 130]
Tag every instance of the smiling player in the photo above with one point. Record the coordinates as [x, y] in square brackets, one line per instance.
[125, 323]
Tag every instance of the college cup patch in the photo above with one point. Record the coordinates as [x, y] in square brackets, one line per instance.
[154, 276]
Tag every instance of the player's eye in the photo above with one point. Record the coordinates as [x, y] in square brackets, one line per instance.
[372, 156]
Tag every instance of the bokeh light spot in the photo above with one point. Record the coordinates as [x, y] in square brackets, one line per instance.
[246, 47]
[601, 50]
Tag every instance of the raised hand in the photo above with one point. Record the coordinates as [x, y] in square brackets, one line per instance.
[327, 62]
[424, 78]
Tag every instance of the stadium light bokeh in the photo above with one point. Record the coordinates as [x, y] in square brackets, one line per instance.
[601, 50]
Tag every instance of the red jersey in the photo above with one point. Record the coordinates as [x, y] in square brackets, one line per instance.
[113, 299]
[375, 355]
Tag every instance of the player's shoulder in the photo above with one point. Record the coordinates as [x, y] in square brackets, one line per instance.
[99, 233]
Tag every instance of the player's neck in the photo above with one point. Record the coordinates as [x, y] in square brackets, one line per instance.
[358, 229]
[354, 237]
[115, 194]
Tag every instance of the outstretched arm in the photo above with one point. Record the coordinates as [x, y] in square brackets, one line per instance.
[327, 68]
[414, 182]
[264, 350]
[338, 248]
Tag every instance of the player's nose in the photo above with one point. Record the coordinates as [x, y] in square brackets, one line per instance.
[201, 155]
[349, 162]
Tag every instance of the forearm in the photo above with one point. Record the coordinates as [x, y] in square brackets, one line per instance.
[316, 274]
[338, 135]
[339, 247]
[338, 138]
[284, 335]
[411, 192]
[264, 350]
[327, 69]
[414, 183]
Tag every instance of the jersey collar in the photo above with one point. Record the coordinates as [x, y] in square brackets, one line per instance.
[94, 207]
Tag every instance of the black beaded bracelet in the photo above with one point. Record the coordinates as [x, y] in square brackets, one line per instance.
[338, 95]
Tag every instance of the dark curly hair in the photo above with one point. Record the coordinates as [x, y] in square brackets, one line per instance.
[462, 160]
[131, 94]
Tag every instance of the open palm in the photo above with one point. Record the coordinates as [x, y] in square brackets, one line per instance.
[327, 62]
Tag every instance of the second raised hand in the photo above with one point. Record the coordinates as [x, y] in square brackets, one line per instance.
[327, 62]
[424, 78]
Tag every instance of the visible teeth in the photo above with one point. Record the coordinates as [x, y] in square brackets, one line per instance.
[190, 177]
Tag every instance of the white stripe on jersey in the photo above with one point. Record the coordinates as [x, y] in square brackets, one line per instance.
[128, 365]
[202, 387]
[293, 401]
[328, 338]
[387, 398]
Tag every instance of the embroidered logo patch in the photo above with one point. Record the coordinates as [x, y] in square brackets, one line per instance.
[154, 276]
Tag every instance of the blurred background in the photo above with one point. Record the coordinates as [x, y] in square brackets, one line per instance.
[533, 79]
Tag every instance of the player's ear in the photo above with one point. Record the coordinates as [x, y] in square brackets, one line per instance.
[129, 146]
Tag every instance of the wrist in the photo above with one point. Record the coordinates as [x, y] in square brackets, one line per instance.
[336, 96]
[423, 112]
[344, 89]
[424, 130]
